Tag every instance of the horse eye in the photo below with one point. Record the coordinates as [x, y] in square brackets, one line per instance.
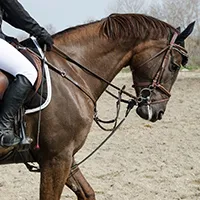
[174, 66]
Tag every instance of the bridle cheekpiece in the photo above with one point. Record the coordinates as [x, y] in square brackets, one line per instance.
[145, 94]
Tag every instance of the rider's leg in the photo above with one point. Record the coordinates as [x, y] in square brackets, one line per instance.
[25, 75]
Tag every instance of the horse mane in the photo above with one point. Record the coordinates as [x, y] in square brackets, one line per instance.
[137, 25]
[117, 26]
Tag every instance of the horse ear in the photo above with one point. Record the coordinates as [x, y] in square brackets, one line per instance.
[183, 35]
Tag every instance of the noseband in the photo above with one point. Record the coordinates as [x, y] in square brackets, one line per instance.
[145, 93]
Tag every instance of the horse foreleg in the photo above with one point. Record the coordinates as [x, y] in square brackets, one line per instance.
[79, 185]
[54, 173]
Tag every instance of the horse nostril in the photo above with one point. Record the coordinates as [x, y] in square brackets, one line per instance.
[160, 114]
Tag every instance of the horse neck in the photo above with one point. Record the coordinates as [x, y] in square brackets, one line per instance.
[97, 54]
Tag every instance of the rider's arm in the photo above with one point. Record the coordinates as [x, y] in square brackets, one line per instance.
[17, 16]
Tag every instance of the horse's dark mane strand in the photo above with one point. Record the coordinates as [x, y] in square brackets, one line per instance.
[125, 25]
[137, 25]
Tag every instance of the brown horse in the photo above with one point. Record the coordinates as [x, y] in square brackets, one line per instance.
[153, 49]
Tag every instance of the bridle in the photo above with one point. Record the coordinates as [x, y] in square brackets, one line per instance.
[145, 94]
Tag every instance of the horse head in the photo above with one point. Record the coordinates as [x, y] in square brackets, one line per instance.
[155, 66]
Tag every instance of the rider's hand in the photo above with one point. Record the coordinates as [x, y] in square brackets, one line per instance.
[45, 38]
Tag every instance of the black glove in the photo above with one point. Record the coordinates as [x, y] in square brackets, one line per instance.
[45, 38]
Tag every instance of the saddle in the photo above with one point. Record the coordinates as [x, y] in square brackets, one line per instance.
[5, 78]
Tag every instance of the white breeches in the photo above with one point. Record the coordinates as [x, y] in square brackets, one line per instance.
[13, 62]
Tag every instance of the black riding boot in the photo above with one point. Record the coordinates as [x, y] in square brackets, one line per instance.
[13, 99]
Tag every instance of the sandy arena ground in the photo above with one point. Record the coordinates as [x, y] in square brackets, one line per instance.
[142, 161]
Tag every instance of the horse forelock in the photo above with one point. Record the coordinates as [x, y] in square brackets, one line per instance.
[134, 25]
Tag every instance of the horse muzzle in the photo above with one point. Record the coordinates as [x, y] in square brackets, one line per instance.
[150, 112]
